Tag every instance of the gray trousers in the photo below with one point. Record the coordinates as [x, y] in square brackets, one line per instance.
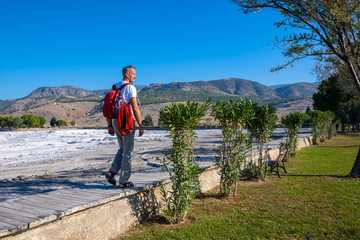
[122, 160]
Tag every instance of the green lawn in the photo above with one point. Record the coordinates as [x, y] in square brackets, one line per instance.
[313, 201]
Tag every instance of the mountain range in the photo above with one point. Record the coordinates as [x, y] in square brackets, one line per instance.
[84, 106]
[238, 87]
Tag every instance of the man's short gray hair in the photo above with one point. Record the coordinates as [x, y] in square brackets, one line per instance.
[127, 69]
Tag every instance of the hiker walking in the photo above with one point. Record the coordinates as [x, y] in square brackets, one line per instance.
[125, 103]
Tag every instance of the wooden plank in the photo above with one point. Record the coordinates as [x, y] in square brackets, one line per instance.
[76, 200]
[96, 198]
[140, 179]
[80, 198]
[6, 229]
[85, 199]
[101, 193]
[51, 200]
[70, 202]
[42, 204]
[42, 215]
[9, 228]
[96, 193]
[18, 212]
[39, 212]
[4, 225]
[62, 199]
[10, 221]
[11, 216]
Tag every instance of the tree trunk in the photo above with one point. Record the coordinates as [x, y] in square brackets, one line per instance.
[355, 172]
[353, 74]
[343, 127]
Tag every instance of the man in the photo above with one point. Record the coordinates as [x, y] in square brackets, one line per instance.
[122, 160]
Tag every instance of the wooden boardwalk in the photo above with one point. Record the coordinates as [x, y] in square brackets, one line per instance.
[32, 210]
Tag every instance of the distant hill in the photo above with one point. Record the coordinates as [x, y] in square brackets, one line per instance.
[229, 86]
[65, 91]
[69, 92]
[278, 86]
[297, 90]
[287, 84]
[84, 106]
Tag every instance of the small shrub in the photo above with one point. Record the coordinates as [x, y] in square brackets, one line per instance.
[261, 127]
[292, 122]
[233, 116]
[182, 120]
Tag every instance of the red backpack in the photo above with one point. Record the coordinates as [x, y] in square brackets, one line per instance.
[125, 118]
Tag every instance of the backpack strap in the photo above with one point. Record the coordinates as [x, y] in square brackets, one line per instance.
[124, 85]
[119, 89]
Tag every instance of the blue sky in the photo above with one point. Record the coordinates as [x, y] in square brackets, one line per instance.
[86, 44]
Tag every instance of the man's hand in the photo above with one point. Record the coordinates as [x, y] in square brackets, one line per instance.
[141, 131]
[110, 127]
[111, 131]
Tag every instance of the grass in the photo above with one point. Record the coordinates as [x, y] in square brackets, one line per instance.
[315, 200]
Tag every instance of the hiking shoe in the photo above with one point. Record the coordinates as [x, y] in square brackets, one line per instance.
[126, 185]
[110, 178]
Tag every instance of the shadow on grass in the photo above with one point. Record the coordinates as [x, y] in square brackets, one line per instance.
[337, 147]
[158, 219]
[210, 195]
[315, 175]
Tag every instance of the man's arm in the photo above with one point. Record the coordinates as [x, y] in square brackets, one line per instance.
[110, 127]
[137, 114]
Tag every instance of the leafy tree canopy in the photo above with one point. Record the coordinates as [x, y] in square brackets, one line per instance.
[26, 121]
[337, 96]
[328, 96]
[326, 30]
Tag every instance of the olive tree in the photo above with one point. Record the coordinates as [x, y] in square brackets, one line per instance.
[17, 122]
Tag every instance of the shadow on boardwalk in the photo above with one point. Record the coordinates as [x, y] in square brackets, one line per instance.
[82, 179]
